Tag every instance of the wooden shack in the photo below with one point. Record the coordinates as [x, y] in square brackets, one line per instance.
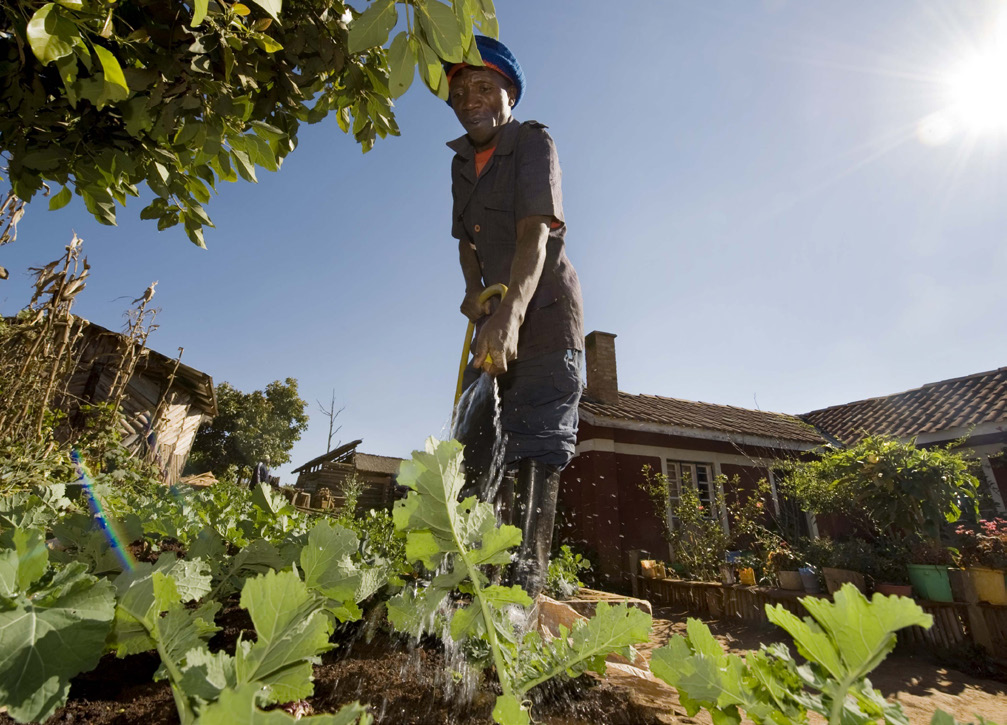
[163, 403]
[322, 481]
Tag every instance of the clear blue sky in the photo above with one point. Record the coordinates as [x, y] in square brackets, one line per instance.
[757, 206]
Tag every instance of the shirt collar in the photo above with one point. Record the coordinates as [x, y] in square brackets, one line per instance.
[505, 141]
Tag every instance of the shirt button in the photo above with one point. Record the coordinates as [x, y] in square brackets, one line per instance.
[476, 228]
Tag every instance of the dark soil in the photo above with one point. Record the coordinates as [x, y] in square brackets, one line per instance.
[117, 692]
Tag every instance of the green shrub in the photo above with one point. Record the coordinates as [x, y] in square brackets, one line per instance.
[563, 580]
[885, 485]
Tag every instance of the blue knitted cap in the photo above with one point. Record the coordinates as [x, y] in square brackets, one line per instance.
[497, 56]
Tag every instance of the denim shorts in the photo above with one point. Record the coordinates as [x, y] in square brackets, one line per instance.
[538, 400]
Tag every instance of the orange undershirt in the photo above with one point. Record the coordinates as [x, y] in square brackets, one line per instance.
[483, 157]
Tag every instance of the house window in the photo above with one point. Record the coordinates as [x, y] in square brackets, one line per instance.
[697, 475]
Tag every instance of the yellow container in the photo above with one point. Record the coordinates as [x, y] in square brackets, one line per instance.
[989, 584]
[747, 576]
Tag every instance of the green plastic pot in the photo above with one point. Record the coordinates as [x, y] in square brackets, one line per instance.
[931, 582]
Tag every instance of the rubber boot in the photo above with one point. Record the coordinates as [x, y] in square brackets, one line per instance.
[535, 490]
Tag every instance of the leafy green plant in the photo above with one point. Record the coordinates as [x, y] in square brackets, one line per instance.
[53, 625]
[698, 541]
[563, 579]
[458, 540]
[883, 484]
[842, 642]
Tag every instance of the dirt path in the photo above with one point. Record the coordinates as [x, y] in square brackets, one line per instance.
[921, 685]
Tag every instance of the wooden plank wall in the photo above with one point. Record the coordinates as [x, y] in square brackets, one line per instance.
[713, 600]
[176, 427]
[325, 486]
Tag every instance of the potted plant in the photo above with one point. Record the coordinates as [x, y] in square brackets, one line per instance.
[848, 562]
[982, 552]
[784, 563]
[929, 570]
[890, 573]
[810, 579]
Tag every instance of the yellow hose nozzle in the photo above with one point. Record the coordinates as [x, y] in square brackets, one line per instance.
[485, 296]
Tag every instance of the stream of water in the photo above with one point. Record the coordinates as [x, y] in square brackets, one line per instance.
[476, 422]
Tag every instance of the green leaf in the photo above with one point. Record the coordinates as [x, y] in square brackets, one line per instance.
[238, 707]
[291, 632]
[61, 199]
[488, 25]
[199, 8]
[23, 565]
[206, 675]
[50, 636]
[496, 541]
[257, 558]
[863, 632]
[145, 593]
[326, 562]
[432, 71]
[273, 7]
[415, 613]
[50, 35]
[266, 42]
[441, 29]
[264, 497]
[195, 235]
[371, 28]
[43, 159]
[509, 711]
[611, 629]
[266, 131]
[110, 65]
[401, 64]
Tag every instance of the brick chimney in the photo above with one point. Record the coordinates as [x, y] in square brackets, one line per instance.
[602, 379]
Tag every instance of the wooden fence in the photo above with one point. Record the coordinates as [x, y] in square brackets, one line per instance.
[955, 623]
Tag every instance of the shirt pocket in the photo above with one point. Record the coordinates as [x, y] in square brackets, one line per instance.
[500, 227]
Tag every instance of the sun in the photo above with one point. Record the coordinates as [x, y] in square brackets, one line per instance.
[978, 87]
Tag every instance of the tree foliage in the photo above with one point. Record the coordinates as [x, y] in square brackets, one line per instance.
[250, 426]
[181, 95]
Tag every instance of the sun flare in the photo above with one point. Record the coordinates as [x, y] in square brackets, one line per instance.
[978, 87]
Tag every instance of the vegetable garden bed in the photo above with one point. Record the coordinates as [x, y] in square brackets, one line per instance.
[402, 683]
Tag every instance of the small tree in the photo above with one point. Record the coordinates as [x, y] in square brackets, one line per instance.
[98, 98]
[249, 427]
[885, 484]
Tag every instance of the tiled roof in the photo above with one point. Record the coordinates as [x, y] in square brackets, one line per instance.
[705, 416]
[950, 404]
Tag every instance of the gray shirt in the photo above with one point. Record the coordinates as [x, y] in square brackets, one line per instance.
[521, 179]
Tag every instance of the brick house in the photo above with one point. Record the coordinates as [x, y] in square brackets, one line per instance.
[603, 508]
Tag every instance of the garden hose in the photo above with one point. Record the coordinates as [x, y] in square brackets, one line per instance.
[489, 292]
